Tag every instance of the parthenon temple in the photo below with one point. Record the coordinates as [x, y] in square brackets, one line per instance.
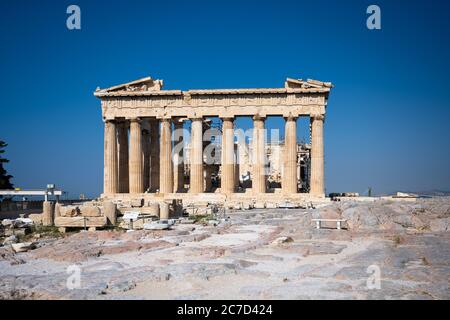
[145, 158]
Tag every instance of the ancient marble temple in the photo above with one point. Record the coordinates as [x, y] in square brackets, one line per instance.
[140, 118]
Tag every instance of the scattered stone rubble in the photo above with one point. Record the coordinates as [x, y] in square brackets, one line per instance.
[246, 254]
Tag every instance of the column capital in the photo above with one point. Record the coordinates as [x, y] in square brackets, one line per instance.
[109, 120]
[291, 117]
[134, 119]
[259, 117]
[318, 117]
[227, 118]
[164, 118]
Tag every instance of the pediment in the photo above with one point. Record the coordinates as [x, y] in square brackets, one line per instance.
[141, 85]
[306, 84]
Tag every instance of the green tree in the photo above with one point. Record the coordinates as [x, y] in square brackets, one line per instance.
[5, 182]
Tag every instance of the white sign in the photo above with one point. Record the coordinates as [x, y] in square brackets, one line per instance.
[131, 215]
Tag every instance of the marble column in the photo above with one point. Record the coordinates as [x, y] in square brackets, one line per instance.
[237, 174]
[258, 174]
[110, 179]
[154, 155]
[207, 166]
[196, 156]
[135, 158]
[146, 154]
[289, 182]
[317, 156]
[178, 184]
[165, 159]
[228, 175]
[122, 138]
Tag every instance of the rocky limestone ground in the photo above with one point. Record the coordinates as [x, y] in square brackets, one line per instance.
[256, 254]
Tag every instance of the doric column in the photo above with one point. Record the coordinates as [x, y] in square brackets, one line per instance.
[207, 166]
[237, 174]
[317, 157]
[135, 161]
[122, 138]
[228, 175]
[110, 185]
[289, 183]
[196, 156]
[165, 159]
[146, 154]
[154, 155]
[259, 175]
[178, 183]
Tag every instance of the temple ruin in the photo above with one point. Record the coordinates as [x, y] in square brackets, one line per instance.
[142, 160]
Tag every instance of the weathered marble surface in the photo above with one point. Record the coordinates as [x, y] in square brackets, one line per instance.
[239, 259]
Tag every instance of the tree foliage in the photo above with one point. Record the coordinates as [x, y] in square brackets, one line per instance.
[5, 178]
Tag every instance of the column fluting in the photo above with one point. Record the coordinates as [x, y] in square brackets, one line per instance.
[110, 180]
[228, 167]
[196, 156]
[317, 156]
[165, 160]
[135, 157]
[259, 175]
[289, 182]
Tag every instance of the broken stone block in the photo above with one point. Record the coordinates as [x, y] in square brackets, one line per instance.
[7, 222]
[246, 206]
[164, 210]
[57, 209]
[81, 222]
[18, 232]
[10, 240]
[282, 240]
[213, 222]
[69, 211]
[110, 212]
[23, 247]
[36, 217]
[154, 209]
[137, 203]
[47, 214]
[260, 205]
[271, 205]
[90, 211]
[62, 229]
[156, 226]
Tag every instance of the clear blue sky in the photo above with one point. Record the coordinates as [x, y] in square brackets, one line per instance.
[388, 116]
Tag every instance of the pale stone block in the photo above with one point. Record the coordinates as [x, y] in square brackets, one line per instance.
[271, 205]
[36, 217]
[88, 211]
[260, 205]
[80, 222]
[47, 215]
[154, 209]
[164, 210]
[69, 211]
[137, 203]
[110, 212]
